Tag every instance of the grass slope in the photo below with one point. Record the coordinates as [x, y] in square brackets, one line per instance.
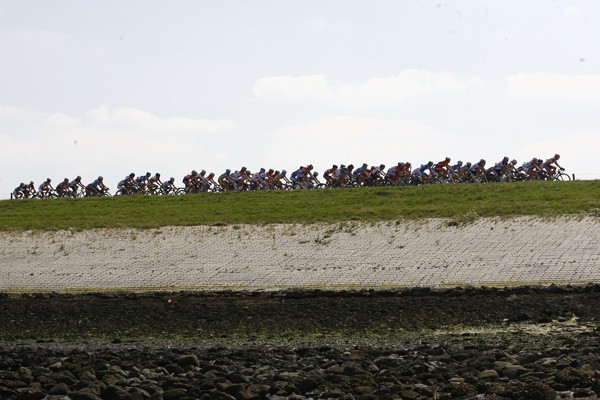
[548, 199]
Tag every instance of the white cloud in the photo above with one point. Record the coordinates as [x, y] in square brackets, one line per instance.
[310, 87]
[554, 86]
[372, 92]
[139, 120]
[8, 111]
[572, 12]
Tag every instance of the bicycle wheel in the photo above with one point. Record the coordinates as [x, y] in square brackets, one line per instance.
[561, 176]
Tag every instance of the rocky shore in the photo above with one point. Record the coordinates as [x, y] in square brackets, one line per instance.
[479, 343]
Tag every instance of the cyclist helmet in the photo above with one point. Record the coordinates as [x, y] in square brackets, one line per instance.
[365, 165]
[148, 174]
[48, 180]
[310, 166]
[350, 166]
[335, 166]
[430, 163]
[172, 179]
[78, 178]
[194, 172]
[482, 161]
[262, 170]
[157, 174]
[132, 175]
[459, 163]
[447, 159]
[228, 171]
[514, 162]
[100, 178]
[202, 172]
[557, 156]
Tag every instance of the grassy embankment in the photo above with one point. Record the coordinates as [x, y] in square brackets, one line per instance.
[461, 202]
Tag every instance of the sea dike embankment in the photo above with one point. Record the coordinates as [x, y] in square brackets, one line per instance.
[430, 253]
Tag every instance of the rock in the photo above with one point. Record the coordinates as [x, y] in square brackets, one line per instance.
[174, 394]
[30, 394]
[59, 389]
[539, 391]
[230, 388]
[409, 394]
[86, 394]
[188, 360]
[306, 385]
[489, 374]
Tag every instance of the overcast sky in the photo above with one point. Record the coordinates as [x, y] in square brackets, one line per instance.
[113, 87]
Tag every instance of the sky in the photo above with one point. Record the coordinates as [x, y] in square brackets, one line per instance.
[113, 87]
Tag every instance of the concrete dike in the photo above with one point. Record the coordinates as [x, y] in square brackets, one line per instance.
[433, 253]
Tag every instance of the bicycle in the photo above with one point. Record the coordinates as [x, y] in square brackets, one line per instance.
[560, 175]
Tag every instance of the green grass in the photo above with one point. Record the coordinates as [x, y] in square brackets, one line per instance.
[462, 203]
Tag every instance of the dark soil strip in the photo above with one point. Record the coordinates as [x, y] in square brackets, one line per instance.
[296, 313]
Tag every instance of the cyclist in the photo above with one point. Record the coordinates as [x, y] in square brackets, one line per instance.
[226, 180]
[168, 187]
[21, 191]
[202, 182]
[211, 181]
[529, 169]
[443, 167]
[142, 181]
[240, 178]
[280, 179]
[393, 173]
[127, 185]
[457, 166]
[96, 188]
[356, 173]
[330, 175]
[75, 185]
[154, 183]
[298, 177]
[189, 181]
[343, 175]
[478, 169]
[270, 178]
[258, 179]
[377, 174]
[498, 170]
[420, 175]
[45, 188]
[551, 164]
[62, 189]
